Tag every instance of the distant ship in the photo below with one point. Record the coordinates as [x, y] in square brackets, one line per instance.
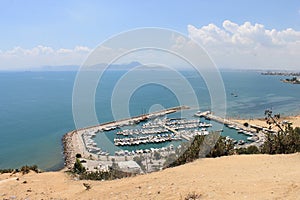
[234, 94]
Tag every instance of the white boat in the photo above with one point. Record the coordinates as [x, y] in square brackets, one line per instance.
[253, 139]
[241, 142]
[240, 131]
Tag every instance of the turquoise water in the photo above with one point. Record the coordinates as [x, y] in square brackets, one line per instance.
[105, 140]
[36, 107]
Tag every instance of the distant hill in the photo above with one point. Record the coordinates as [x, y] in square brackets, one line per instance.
[122, 66]
[125, 66]
[58, 68]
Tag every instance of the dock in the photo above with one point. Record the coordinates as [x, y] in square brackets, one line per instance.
[255, 133]
[177, 133]
[156, 130]
[209, 116]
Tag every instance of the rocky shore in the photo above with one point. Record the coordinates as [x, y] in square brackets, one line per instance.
[69, 154]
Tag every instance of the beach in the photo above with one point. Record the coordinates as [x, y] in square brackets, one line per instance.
[232, 177]
[295, 120]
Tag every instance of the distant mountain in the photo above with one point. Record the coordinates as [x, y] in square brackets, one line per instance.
[127, 66]
[58, 68]
[123, 66]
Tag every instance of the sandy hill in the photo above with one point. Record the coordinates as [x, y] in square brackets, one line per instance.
[234, 177]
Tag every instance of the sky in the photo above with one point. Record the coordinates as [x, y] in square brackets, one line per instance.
[236, 34]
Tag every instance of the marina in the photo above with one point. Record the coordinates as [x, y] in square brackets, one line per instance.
[81, 141]
[256, 134]
[152, 133]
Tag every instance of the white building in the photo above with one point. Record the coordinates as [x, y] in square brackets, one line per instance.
[130, 167]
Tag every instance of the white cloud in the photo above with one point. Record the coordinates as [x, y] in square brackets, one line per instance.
[20, 58]
[249, 45]
[229, 45]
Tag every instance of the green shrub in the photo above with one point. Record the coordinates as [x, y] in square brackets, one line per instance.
[2, 171]
[78, 167]
[24, 169]
[78, 155]
[283, 142]
[249, 150]
[201, 147]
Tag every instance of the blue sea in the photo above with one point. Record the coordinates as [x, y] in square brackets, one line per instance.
[36, 107]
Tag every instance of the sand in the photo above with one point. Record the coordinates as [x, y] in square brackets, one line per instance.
[262, 122]
[233, 177]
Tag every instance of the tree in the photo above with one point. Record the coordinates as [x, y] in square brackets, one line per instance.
[114, 163]
[157, 155]
[78, 167]
[285, 140]
[202, 146]
[78, 155]
[139, 161]
[25, 169]
[223, 147]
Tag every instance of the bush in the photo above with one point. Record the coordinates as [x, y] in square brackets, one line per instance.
[95, 176]
[139, 161]
[78, 155]
[246, 124]
[283, 142]
[223, 147]
[26, 169]
[34, 168]
[78, 167]
[2, 171]
[157, 156]
[201, 147]
[104, 175]
[249, 150]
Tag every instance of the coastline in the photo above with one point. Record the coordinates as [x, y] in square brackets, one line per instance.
[73, 142]
[208, 177]
[294, 119]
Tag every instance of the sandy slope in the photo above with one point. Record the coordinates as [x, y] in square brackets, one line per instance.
[234, 177]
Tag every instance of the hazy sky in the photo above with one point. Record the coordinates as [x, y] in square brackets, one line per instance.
[237, 34]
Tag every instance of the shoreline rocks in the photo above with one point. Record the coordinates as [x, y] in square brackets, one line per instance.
[69, 154]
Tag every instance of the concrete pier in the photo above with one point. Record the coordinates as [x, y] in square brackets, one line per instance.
[208, 115]
[258, 132]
